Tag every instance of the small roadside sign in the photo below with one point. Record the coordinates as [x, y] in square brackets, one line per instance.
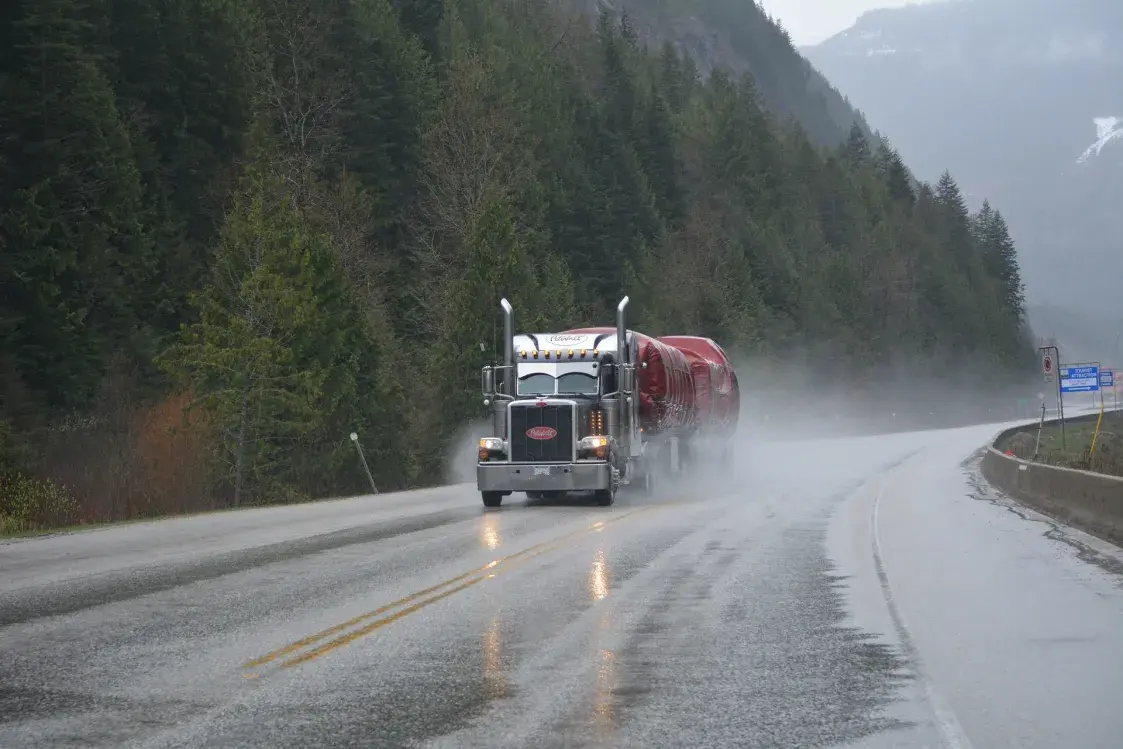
[1047, 364]
[1107, 378]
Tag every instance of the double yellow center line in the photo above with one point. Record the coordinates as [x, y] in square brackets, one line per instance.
[335, 637]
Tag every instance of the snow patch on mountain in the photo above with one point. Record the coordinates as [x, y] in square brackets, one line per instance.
[1108, 129]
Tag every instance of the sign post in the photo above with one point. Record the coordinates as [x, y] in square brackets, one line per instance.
[1107, 380]
[1051, 361]
[355, 439]
[1040, 426]
[1081, 378]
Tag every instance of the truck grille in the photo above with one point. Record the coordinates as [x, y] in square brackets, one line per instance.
[556, 448]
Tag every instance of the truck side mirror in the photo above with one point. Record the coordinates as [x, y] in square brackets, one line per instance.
[487, 380]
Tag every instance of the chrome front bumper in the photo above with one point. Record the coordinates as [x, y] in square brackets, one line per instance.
[547, 477]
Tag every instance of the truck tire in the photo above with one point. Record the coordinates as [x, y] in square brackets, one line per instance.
[605, 497]
[492, 499]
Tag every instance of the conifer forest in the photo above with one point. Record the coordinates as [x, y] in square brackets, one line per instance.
[232, 232]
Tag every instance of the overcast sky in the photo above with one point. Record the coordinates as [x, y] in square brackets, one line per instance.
[812, 21]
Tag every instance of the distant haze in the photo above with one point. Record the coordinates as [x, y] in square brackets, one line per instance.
[812, 21]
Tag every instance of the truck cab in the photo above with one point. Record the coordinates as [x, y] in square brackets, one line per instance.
[564, 418]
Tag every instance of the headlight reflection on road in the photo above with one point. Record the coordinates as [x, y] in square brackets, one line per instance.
[489, 532]
[493, 661]
[604, 709]
[599, 578]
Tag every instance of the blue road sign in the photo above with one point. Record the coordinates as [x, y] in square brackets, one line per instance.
[1107, 378]
[1084, 378]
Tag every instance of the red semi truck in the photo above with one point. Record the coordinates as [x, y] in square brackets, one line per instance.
[593, 409]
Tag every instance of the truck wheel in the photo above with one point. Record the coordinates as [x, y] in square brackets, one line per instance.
[535, 495]
[492, 499]
[605, 497]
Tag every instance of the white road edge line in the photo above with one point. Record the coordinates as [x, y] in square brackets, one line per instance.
[952, 732]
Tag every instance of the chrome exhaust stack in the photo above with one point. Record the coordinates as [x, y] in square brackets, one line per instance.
[622, 332]
[508, 347]
[625, 375]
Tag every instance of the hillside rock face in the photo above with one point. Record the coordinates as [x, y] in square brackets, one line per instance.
[1023, 101]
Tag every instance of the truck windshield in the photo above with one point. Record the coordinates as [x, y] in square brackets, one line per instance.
[536, 384]
[571, 383]
[576, 382]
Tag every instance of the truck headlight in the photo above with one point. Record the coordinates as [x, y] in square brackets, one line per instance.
[593, 445]
[490, 446]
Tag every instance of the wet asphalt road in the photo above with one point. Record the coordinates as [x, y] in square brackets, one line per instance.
[868, 592]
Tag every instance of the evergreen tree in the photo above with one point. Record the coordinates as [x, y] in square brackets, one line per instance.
[1000, 261]
[387, 105]
[423, 19]
[277, 351]
[656, 148]
[895, 175]
[71, 208]
[857, 148]
[954, 220]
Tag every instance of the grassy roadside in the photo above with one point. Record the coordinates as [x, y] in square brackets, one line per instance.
[13, 529]
[9, 532]
[1074, 450]
[33, 507]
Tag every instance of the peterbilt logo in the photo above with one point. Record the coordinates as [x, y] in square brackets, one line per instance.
[565, 340]
[541, 433]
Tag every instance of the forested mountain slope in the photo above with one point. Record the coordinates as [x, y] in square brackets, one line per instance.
[739, 37]
[235, 231]
[1023, 101]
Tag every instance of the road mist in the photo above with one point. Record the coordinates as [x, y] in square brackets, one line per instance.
[460, 458]
[807, 421]
[805, 396]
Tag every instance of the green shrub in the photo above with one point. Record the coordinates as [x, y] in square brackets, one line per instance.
[28, 504]
[16, 453]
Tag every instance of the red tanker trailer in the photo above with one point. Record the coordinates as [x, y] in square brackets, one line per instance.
[717, 396]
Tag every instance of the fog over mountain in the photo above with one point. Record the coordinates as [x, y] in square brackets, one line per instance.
[1023, 101]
